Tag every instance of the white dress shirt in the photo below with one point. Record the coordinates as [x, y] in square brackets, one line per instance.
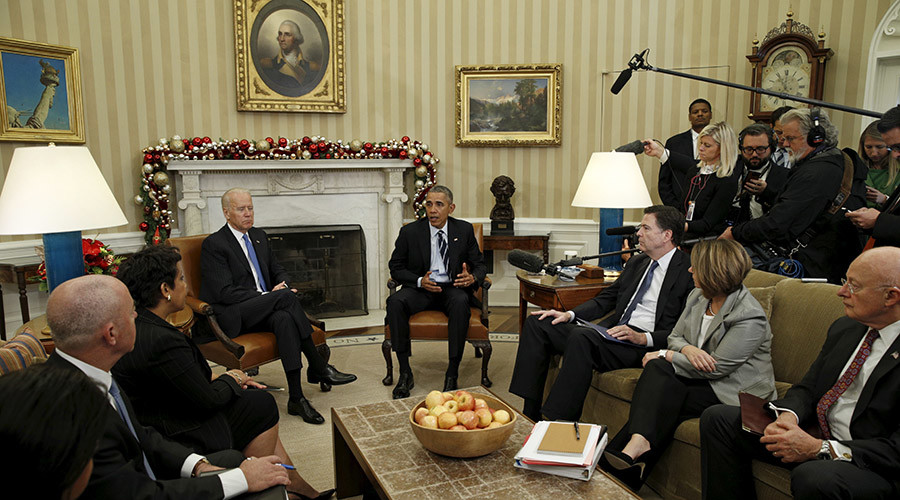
[240, 239]
[233, 481]
[439, 274]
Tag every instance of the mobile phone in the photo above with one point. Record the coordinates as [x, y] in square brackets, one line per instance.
[751, 175]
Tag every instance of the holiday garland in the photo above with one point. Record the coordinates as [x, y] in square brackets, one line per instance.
[156, 187]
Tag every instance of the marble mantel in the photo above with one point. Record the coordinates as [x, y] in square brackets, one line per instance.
[302, 193]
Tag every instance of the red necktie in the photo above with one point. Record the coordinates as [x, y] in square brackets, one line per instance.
[844, 382]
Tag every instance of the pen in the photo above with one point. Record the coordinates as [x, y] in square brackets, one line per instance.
[288, 467]
[577, 433]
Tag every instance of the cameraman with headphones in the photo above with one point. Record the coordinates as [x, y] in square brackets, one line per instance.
[802, 235]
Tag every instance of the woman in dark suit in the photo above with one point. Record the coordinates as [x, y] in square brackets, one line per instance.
[719, 347]
[171, 385]
[713, 182]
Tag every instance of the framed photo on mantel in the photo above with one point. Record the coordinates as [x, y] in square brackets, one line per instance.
[508, 105]
[40, 90]
[289, 55]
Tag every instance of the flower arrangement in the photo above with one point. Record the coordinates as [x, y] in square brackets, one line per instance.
[98, 259]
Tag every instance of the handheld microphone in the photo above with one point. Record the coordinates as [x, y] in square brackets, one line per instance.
[524, 260]
[621, 231]
[636, 147]
[620, 82]
[694, 241]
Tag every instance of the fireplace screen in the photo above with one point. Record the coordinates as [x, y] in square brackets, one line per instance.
[327, 266]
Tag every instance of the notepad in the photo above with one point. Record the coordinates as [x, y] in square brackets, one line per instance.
[560, 438]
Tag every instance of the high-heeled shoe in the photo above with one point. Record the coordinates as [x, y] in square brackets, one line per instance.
[624, 468]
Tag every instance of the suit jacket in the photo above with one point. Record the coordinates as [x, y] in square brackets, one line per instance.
[875, 424]
[226, 276]
[887, 226]
[169, 383]
[411, 257]
[672, 185]
[119, 467]
[712, 203]
[675, 288]
[740, 340]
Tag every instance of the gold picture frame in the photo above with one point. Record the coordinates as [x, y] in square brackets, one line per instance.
[267, 77]
[508, 105]
[40, 92]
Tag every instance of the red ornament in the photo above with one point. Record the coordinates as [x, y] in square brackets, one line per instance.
[313, 148]
[403, 154]
[368, 146]
[270, 141]
[245, 144]
[156, 238]
[282, 141]
[417, 162]
[405, 139]
[143, 226]
[305, 140]
[322, 145]
[236, 156]
[328, 156]
[207, 140]
[197, 141]
[148, 158]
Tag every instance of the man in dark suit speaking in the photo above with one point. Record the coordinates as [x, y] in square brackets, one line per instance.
[248, 290]
[439, 264]
[646, 302]
[849, 394]
[92, 319]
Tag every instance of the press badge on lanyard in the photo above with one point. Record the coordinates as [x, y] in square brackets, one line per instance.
[690, 211]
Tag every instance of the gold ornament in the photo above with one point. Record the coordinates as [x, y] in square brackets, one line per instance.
[413, 152]
[263, 145]
[161, 178]
[355, 145]
[138, 199]
[419, 184]
[306, 155]
[147, 168]
[421, 171]
[176, 146]
[167, 188]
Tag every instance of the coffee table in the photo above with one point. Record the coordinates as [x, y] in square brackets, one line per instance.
[375, 451]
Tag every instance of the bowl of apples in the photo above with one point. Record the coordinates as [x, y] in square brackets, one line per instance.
[462, 424]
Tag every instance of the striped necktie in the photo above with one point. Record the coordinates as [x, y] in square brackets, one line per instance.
[442, 248]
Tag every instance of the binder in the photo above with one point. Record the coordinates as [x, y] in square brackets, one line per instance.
[576, 466]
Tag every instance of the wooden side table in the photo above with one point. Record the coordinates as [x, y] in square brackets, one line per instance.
[19, 274]
[549, 292]
[515, 242]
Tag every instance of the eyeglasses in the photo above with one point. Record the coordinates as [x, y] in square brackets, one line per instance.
[854, 289]
[791, 138]
[894, 147]
[758, 150]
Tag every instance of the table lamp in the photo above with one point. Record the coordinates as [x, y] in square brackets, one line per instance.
[57, 191]
[611, 181]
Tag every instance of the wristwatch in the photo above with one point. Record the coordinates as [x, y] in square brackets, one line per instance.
[196, 472]
[824, 451]
[662, 353]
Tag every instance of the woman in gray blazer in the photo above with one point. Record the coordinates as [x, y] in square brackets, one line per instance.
[719, 347]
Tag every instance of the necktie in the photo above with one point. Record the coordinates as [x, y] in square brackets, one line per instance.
[253, 260]
[442, 248]
[645, 285]
[844, 382]
[123, 414]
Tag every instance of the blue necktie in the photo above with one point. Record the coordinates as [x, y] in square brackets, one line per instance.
[442, 248]
[123, 414]
[253, 260]
[645, 285]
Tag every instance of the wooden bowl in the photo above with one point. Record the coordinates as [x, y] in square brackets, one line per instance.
[465, 444]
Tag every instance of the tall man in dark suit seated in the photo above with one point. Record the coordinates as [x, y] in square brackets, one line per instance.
[850, 395]
[884, 223]
[249, 292]
[439, 264]
[672, 185]
[92, 319]
[646, 302]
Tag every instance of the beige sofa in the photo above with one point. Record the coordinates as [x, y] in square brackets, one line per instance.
[799, 313]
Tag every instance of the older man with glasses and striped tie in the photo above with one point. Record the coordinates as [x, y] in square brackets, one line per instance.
[646, 302]
[849, 397]
[439, 264]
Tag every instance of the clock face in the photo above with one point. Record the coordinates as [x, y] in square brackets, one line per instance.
[787, 70]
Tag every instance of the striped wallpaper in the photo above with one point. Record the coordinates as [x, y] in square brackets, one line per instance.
[156, 68]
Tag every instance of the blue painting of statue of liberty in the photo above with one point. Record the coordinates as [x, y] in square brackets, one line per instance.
[35, 92]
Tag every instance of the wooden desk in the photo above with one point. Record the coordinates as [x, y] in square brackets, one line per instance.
[548, 292]
[513, 242]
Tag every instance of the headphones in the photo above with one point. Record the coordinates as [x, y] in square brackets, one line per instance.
[816, 135]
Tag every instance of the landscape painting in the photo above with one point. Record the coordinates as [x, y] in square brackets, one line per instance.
[511, 105]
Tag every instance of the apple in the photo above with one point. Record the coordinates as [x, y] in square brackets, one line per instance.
[430, 421]
[451, 406]
[468, 418]
[433, 399]
[447, 420]
[420, 414]
[438, 410]
[448, 396]
[466, 401]
[484, 417]
[494, 424]
[480, 403]
[501, 416]
[458, 427]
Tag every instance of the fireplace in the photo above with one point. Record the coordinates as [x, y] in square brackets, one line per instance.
[327, 266]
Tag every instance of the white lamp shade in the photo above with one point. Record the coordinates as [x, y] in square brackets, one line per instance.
[612, 180]
[53, 189]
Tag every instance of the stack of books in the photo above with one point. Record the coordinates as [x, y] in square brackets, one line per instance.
[567, 449]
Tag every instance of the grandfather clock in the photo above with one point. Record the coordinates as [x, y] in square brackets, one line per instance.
[789, 60]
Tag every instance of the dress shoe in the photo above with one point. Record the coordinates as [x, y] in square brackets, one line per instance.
[321, 496]
[331, 375]
[404, 384]
[449, 383]
[624, 468]
[302, 407]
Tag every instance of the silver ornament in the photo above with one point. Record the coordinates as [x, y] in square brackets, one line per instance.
[147, 168]
[138, 199]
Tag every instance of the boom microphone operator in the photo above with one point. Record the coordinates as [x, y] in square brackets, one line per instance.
[622, 231]
[524, 260]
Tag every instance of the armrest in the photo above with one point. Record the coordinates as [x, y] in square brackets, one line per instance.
[199, 306]
[486, 284]
[316, 322]
[233, 347]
